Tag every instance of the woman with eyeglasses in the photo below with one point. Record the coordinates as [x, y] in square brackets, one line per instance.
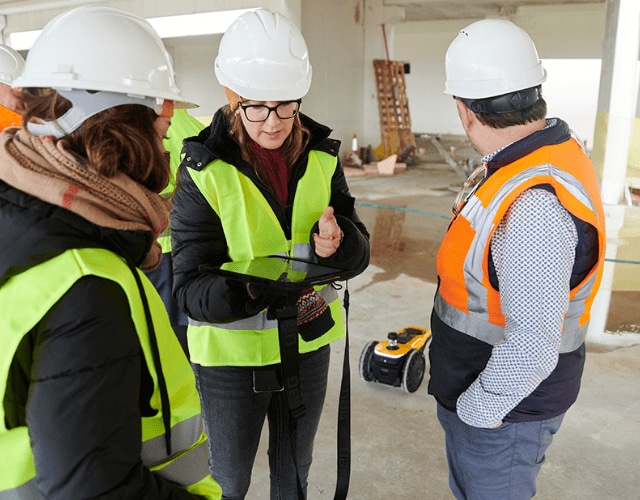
[262, 179]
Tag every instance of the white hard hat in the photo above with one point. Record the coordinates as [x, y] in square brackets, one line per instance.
[263, 57]
[492, 57]
[11, 64]
[103, 49]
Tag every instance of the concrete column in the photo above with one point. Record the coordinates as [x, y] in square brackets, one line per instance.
[618, 96]
[617, 104]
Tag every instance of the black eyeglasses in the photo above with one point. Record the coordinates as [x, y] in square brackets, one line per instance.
[260, 112]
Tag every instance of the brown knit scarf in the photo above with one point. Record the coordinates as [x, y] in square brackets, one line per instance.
[43, 168]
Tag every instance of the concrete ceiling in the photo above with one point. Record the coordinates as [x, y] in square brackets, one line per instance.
[430, 10]
[415, 10]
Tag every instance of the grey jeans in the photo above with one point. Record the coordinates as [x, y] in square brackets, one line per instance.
[234, 416]
[495, 464]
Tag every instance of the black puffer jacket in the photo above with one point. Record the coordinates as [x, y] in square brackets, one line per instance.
[77, 379]
[198, 237]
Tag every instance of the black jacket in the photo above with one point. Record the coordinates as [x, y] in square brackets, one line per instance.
[78, 379]
[197, 234]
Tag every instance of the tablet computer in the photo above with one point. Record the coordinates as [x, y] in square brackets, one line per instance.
[278, 271]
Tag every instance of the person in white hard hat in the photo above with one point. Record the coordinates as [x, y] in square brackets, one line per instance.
[262, 179]
[11, 66]
[98, 398]
[182, 126]
[518, 270]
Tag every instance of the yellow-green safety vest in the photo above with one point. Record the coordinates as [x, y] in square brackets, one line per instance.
[27, 297]
[253, 230]
[183, 125]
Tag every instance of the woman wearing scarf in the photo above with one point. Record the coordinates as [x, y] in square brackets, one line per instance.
[98, 398]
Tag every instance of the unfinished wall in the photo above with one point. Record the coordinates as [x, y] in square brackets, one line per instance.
[344, 36]
[560, 32]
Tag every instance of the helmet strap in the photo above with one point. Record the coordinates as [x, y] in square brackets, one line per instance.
[507, 103]
[85, 104]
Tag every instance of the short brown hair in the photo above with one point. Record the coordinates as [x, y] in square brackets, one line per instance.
[122, 138]
[533, 113]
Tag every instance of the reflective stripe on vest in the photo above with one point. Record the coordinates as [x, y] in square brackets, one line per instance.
[28, 296]
[253, 230]
[26, 491]
[466, 301]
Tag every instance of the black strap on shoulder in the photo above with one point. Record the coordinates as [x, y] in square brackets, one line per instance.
[287, 316]
[344, 415]
[155, 352]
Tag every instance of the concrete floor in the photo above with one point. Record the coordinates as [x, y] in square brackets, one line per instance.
[397, 443]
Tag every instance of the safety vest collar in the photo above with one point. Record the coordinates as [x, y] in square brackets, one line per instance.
[556, 132]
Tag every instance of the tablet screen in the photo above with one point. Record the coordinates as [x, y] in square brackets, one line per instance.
[284, 271]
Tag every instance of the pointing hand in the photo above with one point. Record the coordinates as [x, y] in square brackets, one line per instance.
[330, 237]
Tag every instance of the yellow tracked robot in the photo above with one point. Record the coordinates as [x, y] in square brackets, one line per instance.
[397, 361]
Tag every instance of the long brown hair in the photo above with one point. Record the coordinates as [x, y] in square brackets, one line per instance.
[122, 138]
[292, 148]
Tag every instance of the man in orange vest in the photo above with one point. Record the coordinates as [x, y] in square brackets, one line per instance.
[11, 65]
[518, 270]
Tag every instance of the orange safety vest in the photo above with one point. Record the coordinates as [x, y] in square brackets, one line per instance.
[9, 118]
[466, 300]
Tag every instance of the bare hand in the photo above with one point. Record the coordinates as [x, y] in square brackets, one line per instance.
[330, 237]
